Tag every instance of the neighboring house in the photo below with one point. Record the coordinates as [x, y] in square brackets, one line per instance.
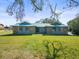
[1, 26]
[7, 28]
[39, 28]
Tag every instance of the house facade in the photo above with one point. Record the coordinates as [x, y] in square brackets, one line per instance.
[23, 28]
[39, 28]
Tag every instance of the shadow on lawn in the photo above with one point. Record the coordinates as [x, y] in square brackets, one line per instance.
[58, 35]
[33, 34]
[16, 35]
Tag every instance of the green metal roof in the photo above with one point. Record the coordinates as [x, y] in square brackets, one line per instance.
[38, 24]
[23, 24]
[41, 24]
[47, 25]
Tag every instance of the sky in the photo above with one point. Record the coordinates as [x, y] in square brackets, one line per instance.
[31, 16]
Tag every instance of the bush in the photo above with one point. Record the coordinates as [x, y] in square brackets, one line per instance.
[74, 26]
[37, 49]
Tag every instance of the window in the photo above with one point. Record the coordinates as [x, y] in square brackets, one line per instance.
[20, 29]
[26, 28]
[58, 29]
[54, 28]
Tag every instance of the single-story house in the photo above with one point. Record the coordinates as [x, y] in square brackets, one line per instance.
[39, 28]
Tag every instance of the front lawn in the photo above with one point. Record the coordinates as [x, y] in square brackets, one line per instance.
[12, 46]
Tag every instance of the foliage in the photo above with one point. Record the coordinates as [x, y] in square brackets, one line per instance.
[37, 49]
[37, 5]
[56, 50]
[50, 21]
[73, 3]
[74, 26]
[17, 7]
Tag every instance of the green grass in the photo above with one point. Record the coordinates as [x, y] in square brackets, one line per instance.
[19, 42]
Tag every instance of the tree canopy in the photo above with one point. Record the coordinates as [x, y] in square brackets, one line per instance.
[17, 7]
[74, 25]
[50, 21]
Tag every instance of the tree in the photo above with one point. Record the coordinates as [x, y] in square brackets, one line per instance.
[50, 21]
[73, 3]
[17, 7]
[54, 18]
[74, 26]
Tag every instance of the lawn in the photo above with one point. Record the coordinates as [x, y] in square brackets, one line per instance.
[12, 46]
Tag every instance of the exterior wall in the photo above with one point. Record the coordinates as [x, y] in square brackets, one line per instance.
[23, 30]
[15, 29]
[58, 30]
[32, 30]
[49, 30]
[65, 30]
[42, 30]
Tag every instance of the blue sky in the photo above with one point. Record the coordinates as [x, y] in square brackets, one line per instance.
[31, 16]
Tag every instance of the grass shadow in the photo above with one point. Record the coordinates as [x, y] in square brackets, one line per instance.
[35, 34]
[16, 35]
[58, 35]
